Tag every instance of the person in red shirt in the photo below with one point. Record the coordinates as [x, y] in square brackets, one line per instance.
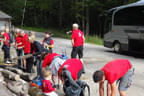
[48, 59]
[47, 87]
[116, 71]
[19, 46]
[69, 73]
[6, 46]
[77, 42]
[48, 42]
[27, 49]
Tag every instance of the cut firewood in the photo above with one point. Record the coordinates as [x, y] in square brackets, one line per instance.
[18, 87]
[23, 75]
[28, 76]
[1, 69]
[15, 70]
[22, 57]
[4, 91]
[15, 87]
[10, 75]
[1, 77]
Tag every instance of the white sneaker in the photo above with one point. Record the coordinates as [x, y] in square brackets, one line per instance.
[8, 62]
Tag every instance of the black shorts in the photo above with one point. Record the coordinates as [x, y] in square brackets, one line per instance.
[77, 50]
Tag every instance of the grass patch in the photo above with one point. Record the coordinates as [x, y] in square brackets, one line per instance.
[94, 40]
[62, 34]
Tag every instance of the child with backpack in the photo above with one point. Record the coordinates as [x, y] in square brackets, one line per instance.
[48, 42]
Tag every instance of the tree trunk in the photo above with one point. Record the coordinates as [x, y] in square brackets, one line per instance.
[87, 21]
[23, 13]
[60, 13]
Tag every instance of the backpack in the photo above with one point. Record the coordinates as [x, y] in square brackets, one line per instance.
[69, 91]
[83, 86]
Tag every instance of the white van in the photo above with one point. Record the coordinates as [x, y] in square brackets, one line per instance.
[124, 28]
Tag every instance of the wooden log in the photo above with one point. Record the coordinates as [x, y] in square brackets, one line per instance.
[1, 77]
[18, 87]
[15, 87]
[15, 70]
[10, 75]
[23, 75]
[4, 91]
[28, 76]
[1, 69]
[22, 57]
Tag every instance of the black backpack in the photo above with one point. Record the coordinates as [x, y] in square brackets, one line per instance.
[83, 86]
[69, 91]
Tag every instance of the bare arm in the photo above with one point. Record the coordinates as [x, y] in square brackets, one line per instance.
[113, 89]
[101, 88]
[72, 42]
[50, 46]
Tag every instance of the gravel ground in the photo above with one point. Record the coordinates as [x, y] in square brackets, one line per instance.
[95, 57]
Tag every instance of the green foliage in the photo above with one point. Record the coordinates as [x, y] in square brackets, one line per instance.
[61, 13]
[62, 33]
[94, 40]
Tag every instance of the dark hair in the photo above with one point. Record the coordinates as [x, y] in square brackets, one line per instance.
[48, 32]
[98, 76]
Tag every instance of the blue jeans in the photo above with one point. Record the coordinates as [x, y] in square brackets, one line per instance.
[6, 50]
[39, 66]
[20, 53]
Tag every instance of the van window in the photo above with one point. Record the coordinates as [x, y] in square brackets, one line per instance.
[108, 22]
[132, 16]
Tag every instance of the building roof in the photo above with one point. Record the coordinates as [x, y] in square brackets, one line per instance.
[138, 3]
[4, 15]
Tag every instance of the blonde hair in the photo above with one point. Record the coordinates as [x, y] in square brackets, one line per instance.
[32, 38]
[46, 72]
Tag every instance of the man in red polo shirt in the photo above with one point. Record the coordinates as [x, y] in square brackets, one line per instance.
[69, 73]
[117, 71]
[27, 49]
[77, 42]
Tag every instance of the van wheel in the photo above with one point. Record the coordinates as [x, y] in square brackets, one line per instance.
[117, 47]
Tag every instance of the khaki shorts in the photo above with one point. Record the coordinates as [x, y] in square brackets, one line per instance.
[126, 81]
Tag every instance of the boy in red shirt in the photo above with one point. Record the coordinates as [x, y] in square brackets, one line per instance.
[48, 42]
[117, 71]
[77, 42]
[6, 46]
[47, 87]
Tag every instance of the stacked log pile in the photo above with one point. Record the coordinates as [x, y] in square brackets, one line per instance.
[14, 82]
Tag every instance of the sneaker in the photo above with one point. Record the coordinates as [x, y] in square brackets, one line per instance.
[8, 62]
